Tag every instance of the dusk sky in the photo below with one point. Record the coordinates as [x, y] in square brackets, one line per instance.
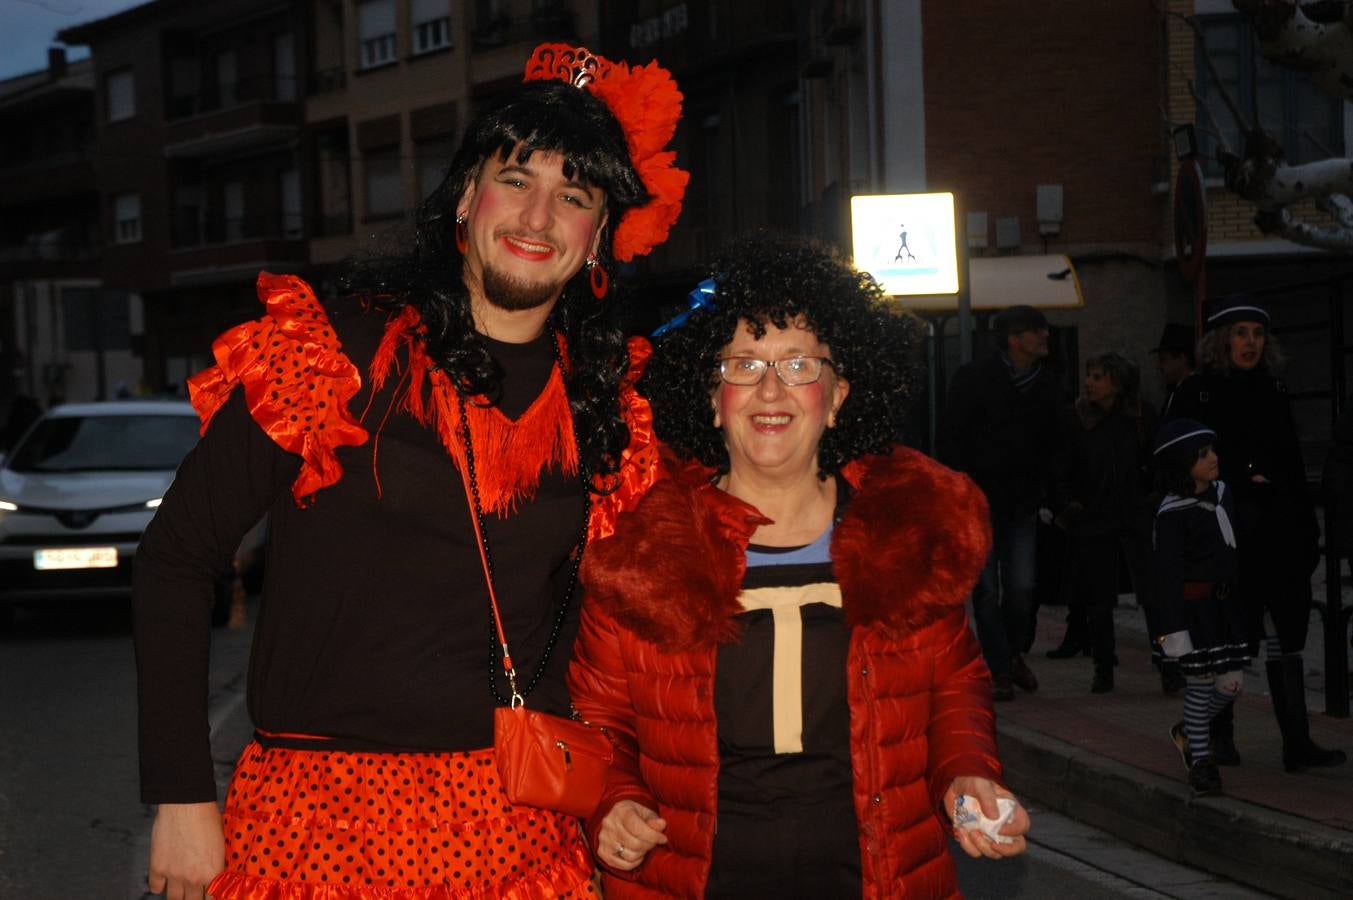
[29, 27]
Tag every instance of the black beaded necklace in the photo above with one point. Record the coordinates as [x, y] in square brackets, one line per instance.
[495, 651]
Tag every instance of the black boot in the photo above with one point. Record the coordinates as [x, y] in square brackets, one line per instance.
[1204, 777]
[1172, 681]
[1222, 730]
[1103, 680]
[1288, 691]
[1075, 639]
[1071, 645]
[1102, 640]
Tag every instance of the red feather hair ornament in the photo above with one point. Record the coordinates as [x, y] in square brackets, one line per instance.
[647, 104]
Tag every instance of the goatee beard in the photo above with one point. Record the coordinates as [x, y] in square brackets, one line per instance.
[514, 295]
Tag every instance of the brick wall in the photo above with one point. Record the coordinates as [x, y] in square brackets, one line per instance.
[1073, 99]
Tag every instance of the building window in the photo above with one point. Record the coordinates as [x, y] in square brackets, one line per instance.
[126, 218]
[232, 199]
[431, 22]
[120, 94]
[1306, 121]
[284, 68]
[433, 158]
[384, 183]
[293, 216]
[227, 80]
[376, 33]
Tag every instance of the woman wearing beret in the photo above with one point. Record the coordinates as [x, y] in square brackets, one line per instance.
[1238, 395]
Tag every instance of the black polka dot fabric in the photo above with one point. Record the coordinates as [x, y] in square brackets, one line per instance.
[312, 824]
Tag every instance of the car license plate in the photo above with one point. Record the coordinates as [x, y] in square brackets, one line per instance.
[75, 558]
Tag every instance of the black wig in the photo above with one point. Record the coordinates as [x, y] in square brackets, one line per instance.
[776, 279]
[544, 116]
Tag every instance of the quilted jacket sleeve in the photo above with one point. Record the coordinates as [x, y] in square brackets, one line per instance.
[599, 686]
[962, 730]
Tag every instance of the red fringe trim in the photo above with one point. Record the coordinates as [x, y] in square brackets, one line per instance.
[298, 384]
[509, 455]
[639, 460]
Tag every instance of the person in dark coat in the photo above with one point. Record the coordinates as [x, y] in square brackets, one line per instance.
[1102, 505]
[1000, 426]
[1238, 394]
[1174, 360]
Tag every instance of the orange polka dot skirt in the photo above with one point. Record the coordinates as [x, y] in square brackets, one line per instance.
[326, 825]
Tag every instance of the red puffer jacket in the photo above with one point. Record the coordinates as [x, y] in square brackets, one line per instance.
[663, 592]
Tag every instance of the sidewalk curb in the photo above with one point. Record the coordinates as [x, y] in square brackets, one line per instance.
[1264, 848]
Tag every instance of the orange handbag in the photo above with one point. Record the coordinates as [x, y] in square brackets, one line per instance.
[544, 760]
[549, 761]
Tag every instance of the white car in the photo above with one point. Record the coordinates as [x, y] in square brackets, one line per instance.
[79, 489]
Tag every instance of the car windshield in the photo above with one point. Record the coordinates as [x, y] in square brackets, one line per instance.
[105, 443]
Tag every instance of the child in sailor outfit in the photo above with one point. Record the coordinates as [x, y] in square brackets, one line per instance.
[1202, 621]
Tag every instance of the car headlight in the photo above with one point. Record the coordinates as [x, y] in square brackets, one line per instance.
[154, 504]
[6, 506]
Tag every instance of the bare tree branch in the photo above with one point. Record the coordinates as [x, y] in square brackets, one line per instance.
[1311, 37]
[1338, 207]
[1282, 224]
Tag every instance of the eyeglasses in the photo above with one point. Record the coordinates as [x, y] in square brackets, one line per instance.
[793, 371]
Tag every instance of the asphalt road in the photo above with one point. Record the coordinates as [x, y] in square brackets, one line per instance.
[71, 824]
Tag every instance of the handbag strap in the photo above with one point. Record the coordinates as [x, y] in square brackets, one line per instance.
[473, 502]
[469, 482]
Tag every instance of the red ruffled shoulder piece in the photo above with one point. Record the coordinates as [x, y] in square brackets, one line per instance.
[639, 467]
[296, 380]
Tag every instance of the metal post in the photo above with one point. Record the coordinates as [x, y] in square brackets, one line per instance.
[964, 288]
[1335, 618]
[933, 353]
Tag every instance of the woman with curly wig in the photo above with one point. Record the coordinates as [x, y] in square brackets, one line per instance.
[775, 636]
[1237, 393]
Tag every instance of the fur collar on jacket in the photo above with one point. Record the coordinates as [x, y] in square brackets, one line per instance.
[907, 552]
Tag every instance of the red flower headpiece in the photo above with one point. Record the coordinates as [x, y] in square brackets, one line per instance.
[647, 103]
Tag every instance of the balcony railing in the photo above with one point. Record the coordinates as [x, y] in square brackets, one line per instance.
[260, 89]
[69, 243]
[327, 81]
[217, 228]
[547, 22]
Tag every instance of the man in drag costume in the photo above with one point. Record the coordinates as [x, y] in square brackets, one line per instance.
[473, 381]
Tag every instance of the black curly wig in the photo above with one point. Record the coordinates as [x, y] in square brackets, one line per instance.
[776, 279]
[536, 116]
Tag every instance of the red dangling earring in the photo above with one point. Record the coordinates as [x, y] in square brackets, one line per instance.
[462, 234]
[597, 278]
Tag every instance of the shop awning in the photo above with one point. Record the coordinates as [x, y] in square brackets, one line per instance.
[1045, 281]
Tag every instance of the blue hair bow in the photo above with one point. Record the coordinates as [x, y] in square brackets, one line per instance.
[701, 297]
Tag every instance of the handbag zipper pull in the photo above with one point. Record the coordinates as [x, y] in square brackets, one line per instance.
[568, 757]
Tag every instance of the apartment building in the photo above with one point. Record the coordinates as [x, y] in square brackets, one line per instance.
[62, 333]
[279, 135]
[200, 114]
[1303, 287]
[395, 82]
[793, 108]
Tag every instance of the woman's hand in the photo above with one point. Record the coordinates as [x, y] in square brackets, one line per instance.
[187, 850]
[973, 841]
[626, 835]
